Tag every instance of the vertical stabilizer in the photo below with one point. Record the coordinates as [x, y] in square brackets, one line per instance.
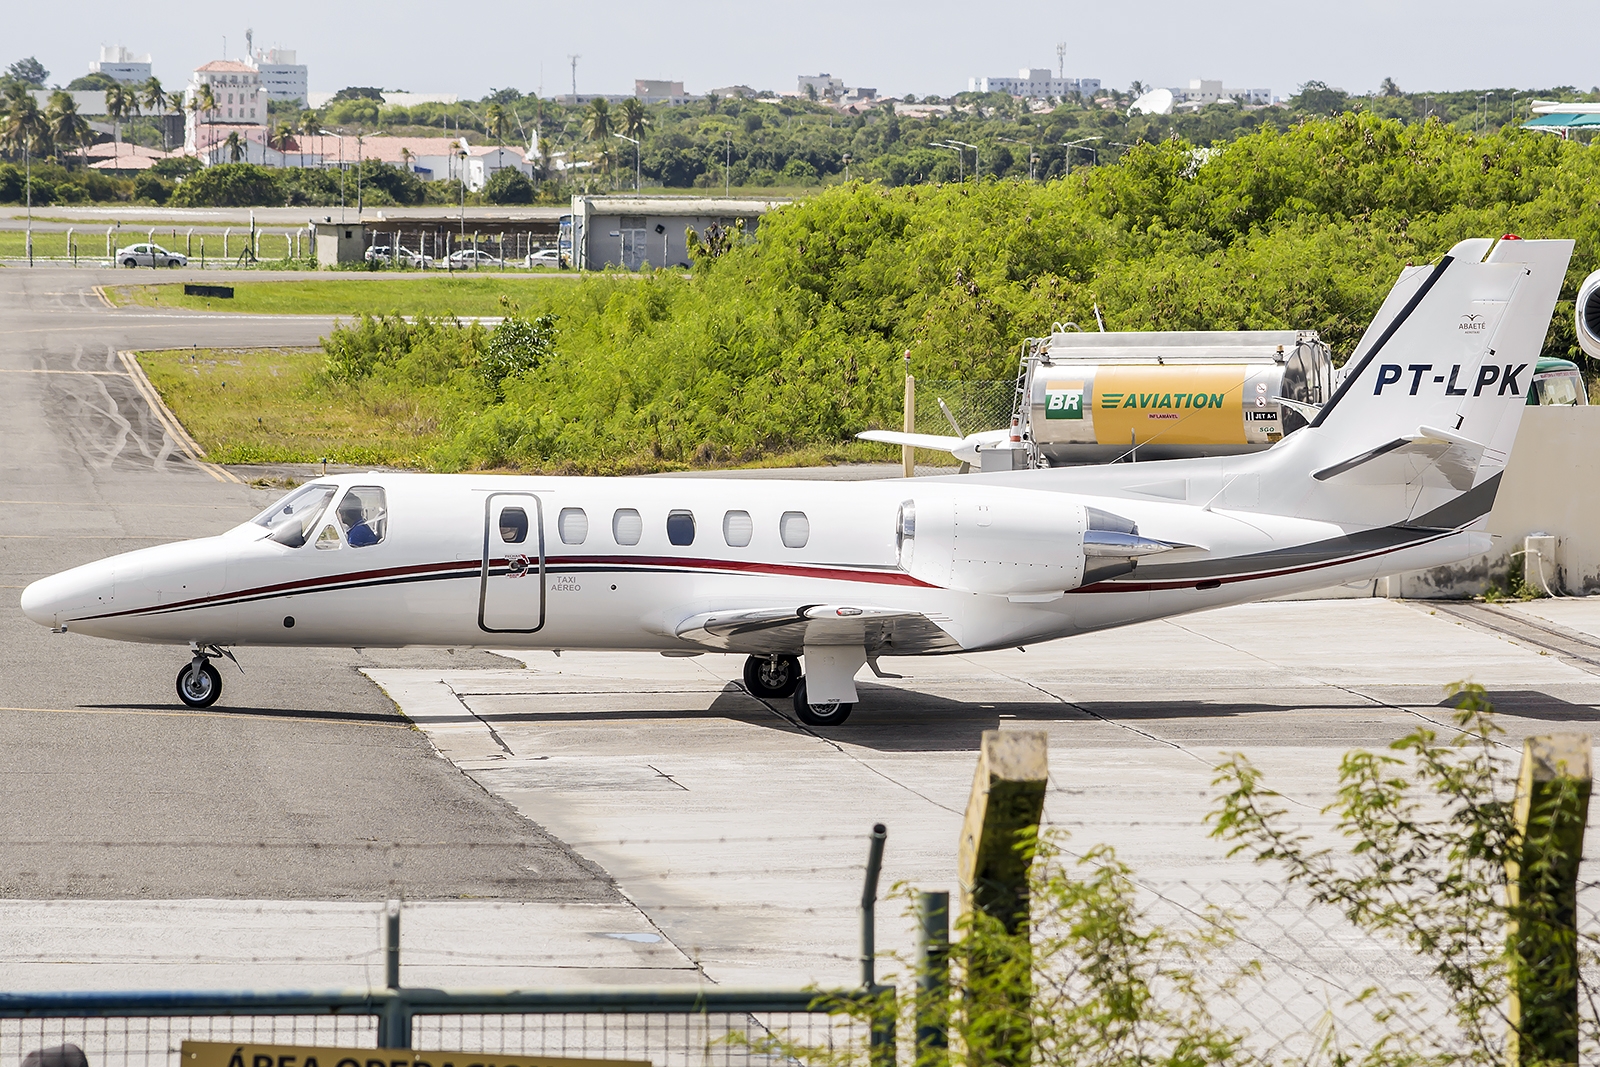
[1430, 406]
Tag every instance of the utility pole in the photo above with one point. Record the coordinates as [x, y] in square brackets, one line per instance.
[574, 57]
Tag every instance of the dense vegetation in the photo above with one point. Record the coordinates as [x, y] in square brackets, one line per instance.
[757, 142]
[794, 338]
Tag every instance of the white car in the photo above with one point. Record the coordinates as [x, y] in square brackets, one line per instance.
[545, 257]
[385, 255]
[148, 255]
[470, 258]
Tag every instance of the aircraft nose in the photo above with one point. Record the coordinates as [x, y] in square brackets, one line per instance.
[60, 598]
[41, 600]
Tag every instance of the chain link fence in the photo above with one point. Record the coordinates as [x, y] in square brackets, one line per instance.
[976, 405]
[1295, 979]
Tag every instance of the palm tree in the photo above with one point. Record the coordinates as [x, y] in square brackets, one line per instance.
[235, 147]
[279, 136]
[65, 125]
[598, 127]
[635, 119]
[497, 122]
[310, 126]
[154, 98]
[119, 100]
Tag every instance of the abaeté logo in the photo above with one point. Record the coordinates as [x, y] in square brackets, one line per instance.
[1063, 400]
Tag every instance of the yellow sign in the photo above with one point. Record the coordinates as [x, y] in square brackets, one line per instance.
[224, 1054]
[1175, 406]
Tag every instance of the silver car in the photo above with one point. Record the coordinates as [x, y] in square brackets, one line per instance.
[148, 255]
[545, 257]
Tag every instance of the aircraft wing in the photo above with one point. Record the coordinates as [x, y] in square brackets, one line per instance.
[963, 448]
[757, 631]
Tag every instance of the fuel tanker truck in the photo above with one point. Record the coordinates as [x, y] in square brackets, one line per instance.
[1097, 397]
[1103, 397]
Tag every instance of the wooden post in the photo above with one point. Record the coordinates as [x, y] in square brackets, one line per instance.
[1552, 806]
[908, 455]
[1007, 800]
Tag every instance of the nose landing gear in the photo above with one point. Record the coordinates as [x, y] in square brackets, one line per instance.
[199, 684]
[830, 714]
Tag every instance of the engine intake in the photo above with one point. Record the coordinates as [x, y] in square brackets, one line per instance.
[1587, 312]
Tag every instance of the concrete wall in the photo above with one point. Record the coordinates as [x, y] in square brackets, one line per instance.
[1548, 487]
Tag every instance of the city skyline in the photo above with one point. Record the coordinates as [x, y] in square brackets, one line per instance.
[938, 46]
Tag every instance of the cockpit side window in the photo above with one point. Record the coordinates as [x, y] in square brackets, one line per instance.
[364, 514]
[291, 520]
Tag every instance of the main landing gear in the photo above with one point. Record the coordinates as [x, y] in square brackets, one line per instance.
[199, 684]
[772, 676]
[778, 676]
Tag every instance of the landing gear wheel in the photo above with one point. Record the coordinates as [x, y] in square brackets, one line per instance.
[819, 714]
[771, 676]
[199, 688]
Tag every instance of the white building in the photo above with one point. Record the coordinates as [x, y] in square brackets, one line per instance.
[1035, 83]
[237, 100]
[659, 92]
[281, 77]
[823, 84]
[430, 158]
[121, 64]
[1203, 91]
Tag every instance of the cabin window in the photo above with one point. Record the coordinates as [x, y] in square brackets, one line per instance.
[364, 514]
[737, 528]
[329, 537]
[626, 526]
[292, 519]
[573, 526]
[795, 529]
[513, 525]
[680, 527]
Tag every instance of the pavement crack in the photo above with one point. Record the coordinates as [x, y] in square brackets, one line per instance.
[492, 731]
[1058, 698]
[663, 774]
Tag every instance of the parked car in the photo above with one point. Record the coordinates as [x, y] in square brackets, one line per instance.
[545, 257]
[470, 258]
[386, 255]
[148, 255]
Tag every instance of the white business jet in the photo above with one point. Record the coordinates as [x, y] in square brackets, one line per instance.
[1396, 472]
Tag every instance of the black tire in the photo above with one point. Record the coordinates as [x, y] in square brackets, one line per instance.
[130, 262]
[764, 678]
[819, 714]
[173, 263]
[206, 689]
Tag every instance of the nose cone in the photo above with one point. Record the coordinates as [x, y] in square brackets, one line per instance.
[60, 598]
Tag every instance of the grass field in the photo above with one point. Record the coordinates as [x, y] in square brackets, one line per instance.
[269, 407]
[408, 294]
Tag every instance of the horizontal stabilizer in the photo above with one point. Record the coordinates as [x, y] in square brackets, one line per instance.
[1404, 460]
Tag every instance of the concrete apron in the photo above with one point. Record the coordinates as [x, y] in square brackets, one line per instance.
[743, 835]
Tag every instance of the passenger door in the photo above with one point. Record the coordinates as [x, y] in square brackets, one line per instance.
[511, 587]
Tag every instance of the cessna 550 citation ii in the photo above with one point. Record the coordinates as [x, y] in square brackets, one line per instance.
[1397, 471]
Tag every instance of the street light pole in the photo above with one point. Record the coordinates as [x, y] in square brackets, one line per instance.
[1077, 144]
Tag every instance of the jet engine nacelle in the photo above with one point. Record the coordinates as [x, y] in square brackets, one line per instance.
[1015, 543]
[1588, 315]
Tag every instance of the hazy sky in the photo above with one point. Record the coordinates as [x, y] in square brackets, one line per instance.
[896, 47]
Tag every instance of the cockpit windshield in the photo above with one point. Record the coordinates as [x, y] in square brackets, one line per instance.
[292, 519]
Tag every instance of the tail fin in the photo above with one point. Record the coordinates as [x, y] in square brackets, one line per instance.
[1434, 393]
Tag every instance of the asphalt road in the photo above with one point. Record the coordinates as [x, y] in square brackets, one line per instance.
[304, 781]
